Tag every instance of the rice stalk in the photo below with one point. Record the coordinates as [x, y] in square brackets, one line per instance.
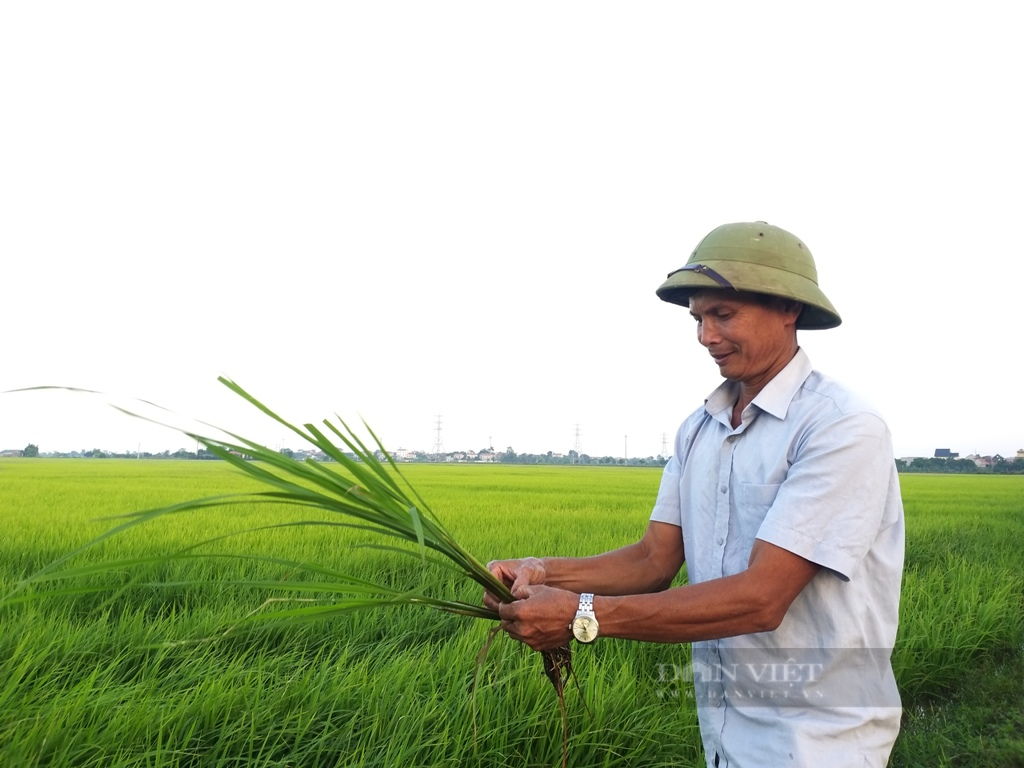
[365, 492]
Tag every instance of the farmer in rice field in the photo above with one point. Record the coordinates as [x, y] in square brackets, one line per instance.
[782, 498]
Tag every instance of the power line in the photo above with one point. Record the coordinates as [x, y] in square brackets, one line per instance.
[438, 445]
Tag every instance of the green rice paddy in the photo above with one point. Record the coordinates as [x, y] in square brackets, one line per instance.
[130, 678]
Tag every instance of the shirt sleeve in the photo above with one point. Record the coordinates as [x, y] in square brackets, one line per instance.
[666, 507]
[831, 505]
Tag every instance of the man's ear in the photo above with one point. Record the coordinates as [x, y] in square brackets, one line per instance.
[792, 306]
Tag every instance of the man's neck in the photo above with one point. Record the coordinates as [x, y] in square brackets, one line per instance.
[748, 390]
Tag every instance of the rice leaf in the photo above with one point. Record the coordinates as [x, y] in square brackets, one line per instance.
[369, 494]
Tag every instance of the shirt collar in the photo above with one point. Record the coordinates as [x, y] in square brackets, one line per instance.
[776, 395]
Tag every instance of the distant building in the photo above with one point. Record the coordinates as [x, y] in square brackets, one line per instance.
[12, 453]
[945, 453]
[982, 462]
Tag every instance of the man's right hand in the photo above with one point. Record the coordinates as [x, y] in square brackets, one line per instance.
[515, 574]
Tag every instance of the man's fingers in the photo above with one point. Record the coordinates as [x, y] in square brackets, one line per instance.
[522, 590]
[517, 630]
[535, 617]
[507, 612]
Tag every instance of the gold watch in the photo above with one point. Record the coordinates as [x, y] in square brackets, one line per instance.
[584, 626]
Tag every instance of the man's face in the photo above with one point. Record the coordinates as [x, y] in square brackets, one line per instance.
[750, 340]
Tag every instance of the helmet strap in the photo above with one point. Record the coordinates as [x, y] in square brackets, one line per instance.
[705, 270]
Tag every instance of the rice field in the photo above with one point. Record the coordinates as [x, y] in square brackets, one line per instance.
[162, 677]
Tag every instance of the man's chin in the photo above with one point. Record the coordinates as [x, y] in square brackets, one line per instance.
[728, 372]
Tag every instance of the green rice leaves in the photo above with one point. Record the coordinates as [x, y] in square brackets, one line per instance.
[361, 488]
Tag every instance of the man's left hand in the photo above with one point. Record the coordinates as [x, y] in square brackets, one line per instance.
[540, 617]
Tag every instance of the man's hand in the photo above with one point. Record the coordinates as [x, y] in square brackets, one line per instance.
[540, 617]
[515, 574]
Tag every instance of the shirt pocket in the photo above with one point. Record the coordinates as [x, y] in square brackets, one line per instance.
[752, 504]
[750, 494]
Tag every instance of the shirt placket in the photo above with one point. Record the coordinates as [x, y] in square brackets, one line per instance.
[723, 494]
[723, 498]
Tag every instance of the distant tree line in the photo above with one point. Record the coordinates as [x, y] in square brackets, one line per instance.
[99, 453]
[572, 457]
[952, 466]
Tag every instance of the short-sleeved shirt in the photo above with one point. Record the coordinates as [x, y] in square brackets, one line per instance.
[810, 469]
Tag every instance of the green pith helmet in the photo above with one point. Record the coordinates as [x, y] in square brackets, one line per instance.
[755, 258]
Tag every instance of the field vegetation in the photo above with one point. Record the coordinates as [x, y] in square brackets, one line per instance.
[131, 678]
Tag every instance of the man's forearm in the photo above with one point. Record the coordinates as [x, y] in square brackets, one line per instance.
[720, 608]
[755, 600]
[630, 570]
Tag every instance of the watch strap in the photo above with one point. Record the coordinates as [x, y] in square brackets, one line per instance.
[586, 603]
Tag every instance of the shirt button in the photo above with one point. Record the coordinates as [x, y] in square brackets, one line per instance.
[718, 702]
[724, 489]
[719, 540]
[731, 439]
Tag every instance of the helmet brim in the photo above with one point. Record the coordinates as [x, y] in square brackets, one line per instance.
[743, 276]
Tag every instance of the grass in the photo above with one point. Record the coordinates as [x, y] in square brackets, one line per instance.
[960, 653]
[399, 674]
[90, 682]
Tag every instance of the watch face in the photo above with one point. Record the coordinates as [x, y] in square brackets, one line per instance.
[584, 628]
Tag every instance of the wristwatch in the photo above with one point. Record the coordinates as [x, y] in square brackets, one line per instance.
[584, 626]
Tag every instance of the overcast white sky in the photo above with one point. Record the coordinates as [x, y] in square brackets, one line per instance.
[406, 209]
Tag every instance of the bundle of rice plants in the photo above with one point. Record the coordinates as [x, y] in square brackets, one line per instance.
[362, 485]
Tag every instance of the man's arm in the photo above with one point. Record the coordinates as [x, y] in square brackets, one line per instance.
[753, 601]
[649, 565]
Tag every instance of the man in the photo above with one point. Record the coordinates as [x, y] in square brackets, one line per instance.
[782, 498]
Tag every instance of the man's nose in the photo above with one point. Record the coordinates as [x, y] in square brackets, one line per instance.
[707, 333]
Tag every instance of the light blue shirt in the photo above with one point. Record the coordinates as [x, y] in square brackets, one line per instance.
[810, 469]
